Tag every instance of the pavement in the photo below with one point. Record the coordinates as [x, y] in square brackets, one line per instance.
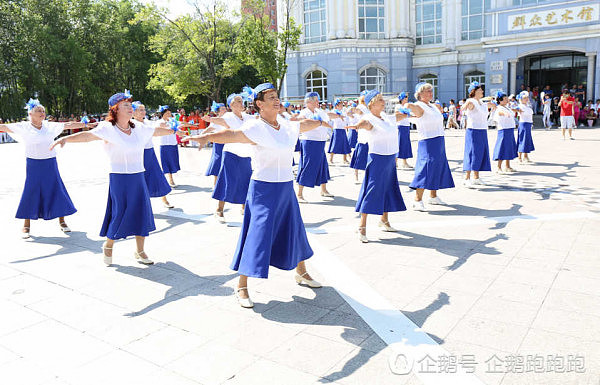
[500, 286]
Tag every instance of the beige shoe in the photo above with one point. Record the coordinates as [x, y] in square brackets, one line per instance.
[310, 282]
[362, 237]
[143, 260]
[107, 259]
[386, 227]
[64, 228]
[326, 195]
[219, 216]
[25, 234]
[244, 302]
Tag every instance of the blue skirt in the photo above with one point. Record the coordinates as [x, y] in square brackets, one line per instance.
[360, 156]
[297, 148]
[273, 232]
[477, 151]
[380, 192]
[339, 142]
[405, 150]
[169, 158]
[352, 138]
[506, 146]
[313, 169]
[525, 138]
[215, 160]
[431, 169]
[155, 179]
[128, 210]
[44, 195]
[234, 178]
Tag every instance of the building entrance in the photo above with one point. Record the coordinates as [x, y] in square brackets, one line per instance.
[556, 70]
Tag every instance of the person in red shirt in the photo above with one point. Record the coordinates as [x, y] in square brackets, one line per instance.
[567, 120]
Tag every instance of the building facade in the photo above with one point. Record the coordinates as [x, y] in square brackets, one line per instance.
[351, 45]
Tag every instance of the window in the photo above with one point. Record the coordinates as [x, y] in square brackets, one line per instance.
[372, 78]
[429, 21]
[317, 81]
[371, 19]
[473, 77]
[315, 27]
[433, 80]
[473, 18]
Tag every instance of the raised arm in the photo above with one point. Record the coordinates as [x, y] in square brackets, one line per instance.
[311, 124]
[215, 120]
[80, 137]
[415, 110]
[362, 124]
[225, 136]
[5, 128]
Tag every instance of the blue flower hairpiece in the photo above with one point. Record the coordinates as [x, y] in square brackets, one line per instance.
[127, 94]
[174, 124]
[500, 94]
[136, 105]
[215, 106]
[473, 86]
[286, 104]
[85, 120]
[403, 95]
[337, 101]
[32, 103]
[162, 109]
[248, 93]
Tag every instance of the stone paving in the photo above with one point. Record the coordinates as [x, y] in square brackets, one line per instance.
[506, 276]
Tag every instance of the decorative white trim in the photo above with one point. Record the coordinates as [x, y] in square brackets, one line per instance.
[314, 67]
[554, 48]
[375, 64]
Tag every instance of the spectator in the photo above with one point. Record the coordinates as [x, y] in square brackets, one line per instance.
[580, 94]
[591, 117]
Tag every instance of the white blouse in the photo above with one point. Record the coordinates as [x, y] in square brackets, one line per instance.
[125, 152]
[477, 118]
[339, 123]
[320, 133]
[272, 153]
[431, 124]
[153, 124]
[166, 140]
[504, 122]
[37, 142]
[403, 122]
[383, 137]
[234, 123]
[525, 113]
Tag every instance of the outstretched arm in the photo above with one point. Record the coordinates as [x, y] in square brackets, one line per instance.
[80, 137]
[225, 136]
[362, 125]
[215, 120]
[415, 110]
[311, 124]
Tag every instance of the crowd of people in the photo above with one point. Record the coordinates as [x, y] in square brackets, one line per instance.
[255, 137]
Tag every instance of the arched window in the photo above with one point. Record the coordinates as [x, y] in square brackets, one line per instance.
[433, 80]
[475, 76]
[317, 81]
[372, 78]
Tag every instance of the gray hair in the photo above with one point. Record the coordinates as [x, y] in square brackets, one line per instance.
[313, 98]
[423, 87]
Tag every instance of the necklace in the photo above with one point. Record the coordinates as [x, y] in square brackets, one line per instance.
[124, 130]
[276, 127]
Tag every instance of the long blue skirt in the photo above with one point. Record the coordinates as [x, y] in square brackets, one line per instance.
[360, 156]
[169, 158]
[380, 192]
[339, 142]
[44, 194]
[297, 148]
[405, 150]
[155, 179]
[506, 146]
[215, 160]
[313, 169]
[128, 210]
[273, 232]
[352, 138]
[234, 178]
[477, 151]
[525, 138]
[431, 169]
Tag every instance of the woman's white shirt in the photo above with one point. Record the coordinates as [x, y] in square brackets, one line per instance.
[125, 152]
[320, 133]
[339, 123]
[504, 122]
[166, 140]
[477, 118]
[234, 123]
[383, 137]
[272, 153]
[149, 123]
[431, 123]
[404, 122]
[37, 142]
[525, 113]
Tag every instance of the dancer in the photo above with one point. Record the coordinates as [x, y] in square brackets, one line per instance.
[44, 194]
[273, 232]
[452, 112]
[506, 146]
[352, 120]
[339, 140]
[546, 105]
[169, 150]
[405, 149]
[236, 169]
[567, 109]
[431, 170]
[477, 151]
[153, 174]
[525, 142]
[313, 169]
[360, 154]
[128, 209]
[380, 191]
[217, 151]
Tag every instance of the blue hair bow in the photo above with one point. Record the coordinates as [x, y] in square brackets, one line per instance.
[162, 109]
[500, 94]
[127, 94]
[473, 86]
[85, 120]
[248, 93]
[286, 104]
[136, 104]
[337, 101]
[174, 124]
[215, 106]
[402, 96]
[32, 103]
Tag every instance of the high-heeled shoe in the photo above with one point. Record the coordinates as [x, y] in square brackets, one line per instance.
[387, 227]
[310, 282]
[243, 302]
[362, 237]
[142, 260]
[107, 259]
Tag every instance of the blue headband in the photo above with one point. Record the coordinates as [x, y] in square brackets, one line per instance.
[337, 101]
[419, 85]
[232, 97]
[370, 96]
[264, 87]
[286, 104]
[118, 97]
[403, 95]
[136, 105]
[311, 95]
[31, 104]
[215, 106]
[523, 94]
[500, 94]
[474, 85]
[363, 93]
